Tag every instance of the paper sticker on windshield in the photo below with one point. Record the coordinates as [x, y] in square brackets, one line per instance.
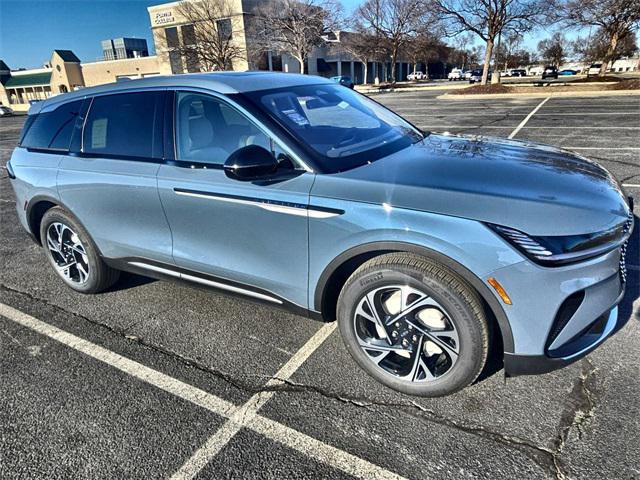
[295, 117]
[343, 104]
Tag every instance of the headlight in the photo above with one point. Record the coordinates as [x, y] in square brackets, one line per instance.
[560, 250]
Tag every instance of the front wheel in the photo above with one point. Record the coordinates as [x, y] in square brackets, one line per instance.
[413, 325]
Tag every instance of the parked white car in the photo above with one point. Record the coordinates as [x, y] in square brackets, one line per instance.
[594, 69]
[456, 74]
[414, 76]
[5, 111]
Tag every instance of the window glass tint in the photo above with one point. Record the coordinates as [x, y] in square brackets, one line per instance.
[52, 130]
[208, 130]
[123, 125]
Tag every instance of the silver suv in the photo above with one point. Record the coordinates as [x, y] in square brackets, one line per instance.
[428, 249]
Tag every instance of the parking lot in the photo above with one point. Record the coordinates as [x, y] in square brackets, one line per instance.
[154, 379]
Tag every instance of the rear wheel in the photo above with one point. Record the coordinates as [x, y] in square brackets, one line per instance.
[73, 254]
[413, 325]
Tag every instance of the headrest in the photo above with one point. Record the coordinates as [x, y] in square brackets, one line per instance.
[200, 133]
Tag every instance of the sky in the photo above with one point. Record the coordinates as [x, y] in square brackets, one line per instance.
[31, 30]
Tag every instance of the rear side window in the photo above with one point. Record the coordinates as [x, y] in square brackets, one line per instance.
[124, 125]
[51, 130]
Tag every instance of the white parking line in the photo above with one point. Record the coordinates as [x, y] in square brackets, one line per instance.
[273, 430]
[602, 148]
[526, 119]
[248, 411]
[631, 185]
[555, 127]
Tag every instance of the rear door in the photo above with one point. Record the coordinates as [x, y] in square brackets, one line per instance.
[109, 178]
[252, 236]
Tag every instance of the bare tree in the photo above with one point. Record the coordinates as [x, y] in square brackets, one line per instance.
[595, 47]
[363, 46]
[463, 43]
[209, 39]
[422, 48]
[554, 50]
[615, 20]
[397, 21]
[295, 27]
[489, 18]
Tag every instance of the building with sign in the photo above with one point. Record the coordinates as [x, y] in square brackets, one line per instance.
[172, 29]
[126, 58]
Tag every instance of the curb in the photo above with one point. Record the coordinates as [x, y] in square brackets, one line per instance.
[595, 93]
[410, 89]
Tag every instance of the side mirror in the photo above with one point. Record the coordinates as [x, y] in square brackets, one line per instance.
[250, 163]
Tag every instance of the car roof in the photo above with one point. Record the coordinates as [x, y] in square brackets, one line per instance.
[220, 82]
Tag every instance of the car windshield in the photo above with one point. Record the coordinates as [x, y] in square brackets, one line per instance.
[340, 128]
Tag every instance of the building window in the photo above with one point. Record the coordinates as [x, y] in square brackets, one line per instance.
[188, 35]
[175, 60]
[171, 35]
[225, 31]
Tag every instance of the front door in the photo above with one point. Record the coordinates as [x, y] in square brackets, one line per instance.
[250, 236]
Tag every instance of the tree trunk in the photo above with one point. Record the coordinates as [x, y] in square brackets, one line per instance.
[394, 54]
[487, 61]
[365, 70]
[611, 53]
[301, 62]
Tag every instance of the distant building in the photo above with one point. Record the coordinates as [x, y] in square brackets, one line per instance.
[64, 73]
[121, 48]
[171, 30]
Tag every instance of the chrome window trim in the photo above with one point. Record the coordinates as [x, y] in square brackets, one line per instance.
[84, 123]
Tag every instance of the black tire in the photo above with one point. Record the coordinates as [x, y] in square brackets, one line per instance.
[453, 293]
[100, 275]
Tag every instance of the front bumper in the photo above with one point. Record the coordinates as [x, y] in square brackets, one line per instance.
[608, 324]
[558, 315]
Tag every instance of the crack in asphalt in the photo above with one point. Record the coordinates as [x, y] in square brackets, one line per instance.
[578, 413]
[542, 456]
[580, 410]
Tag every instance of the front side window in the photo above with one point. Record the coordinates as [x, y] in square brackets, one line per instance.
[341, 129]
[123, 125]
[52, 130]
[209, 130]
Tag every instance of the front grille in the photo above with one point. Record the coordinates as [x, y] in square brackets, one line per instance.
[623, 249]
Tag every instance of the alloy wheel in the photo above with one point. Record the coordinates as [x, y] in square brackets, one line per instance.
[68, 254]
[406, 333]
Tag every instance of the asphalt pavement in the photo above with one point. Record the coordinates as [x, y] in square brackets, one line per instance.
[153, 379]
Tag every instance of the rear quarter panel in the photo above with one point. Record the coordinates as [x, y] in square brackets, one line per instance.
[35, 176]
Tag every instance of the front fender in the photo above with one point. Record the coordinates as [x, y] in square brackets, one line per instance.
[466, 246]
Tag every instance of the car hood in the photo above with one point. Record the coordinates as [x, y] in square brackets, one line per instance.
[538, 189]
